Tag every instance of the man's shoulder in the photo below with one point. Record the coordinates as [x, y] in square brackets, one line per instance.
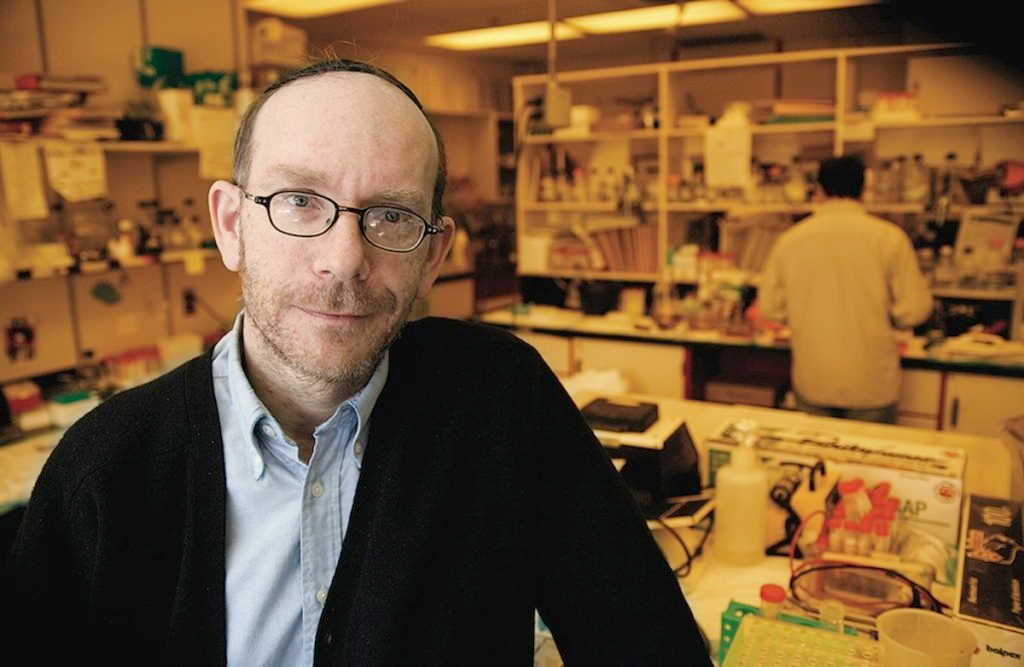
[460, 343]
[155, 413]
[429, 331]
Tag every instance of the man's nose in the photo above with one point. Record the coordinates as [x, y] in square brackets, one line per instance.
[343, 251]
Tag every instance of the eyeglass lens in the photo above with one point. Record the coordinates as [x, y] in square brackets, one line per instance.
[305, 214]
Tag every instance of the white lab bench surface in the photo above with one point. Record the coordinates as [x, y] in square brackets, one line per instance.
[710, 585]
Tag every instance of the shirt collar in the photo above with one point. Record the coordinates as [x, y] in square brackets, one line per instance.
[249, 409]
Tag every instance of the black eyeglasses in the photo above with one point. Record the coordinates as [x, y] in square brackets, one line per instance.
[306, 214]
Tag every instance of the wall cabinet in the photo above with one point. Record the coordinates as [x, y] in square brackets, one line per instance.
[651, 134]
[62, 322]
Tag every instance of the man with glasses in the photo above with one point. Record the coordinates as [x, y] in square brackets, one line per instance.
[332, 484]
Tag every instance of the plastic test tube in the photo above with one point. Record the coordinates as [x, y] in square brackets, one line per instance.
[850, 536]
[855, 498]
[772, 597]
[883, 540]
[835, 534]
[865, 536]
[832, 613]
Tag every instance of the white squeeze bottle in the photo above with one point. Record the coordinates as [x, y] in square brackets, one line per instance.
[741, 502]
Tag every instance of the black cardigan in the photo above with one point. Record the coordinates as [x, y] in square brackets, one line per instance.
[483, 496]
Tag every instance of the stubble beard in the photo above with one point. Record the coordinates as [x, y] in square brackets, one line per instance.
[346, 360]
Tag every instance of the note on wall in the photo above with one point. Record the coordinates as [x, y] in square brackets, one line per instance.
[727, 153]
[22, 174]
[214, 130]
[77, 171]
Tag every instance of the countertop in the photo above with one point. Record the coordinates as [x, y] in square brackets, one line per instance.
[1001, 358]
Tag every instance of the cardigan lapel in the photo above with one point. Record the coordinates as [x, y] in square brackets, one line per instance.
[198, 626]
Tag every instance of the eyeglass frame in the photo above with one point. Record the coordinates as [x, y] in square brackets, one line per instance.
[264, 201]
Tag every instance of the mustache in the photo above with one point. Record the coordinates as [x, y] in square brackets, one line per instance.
[346, 298]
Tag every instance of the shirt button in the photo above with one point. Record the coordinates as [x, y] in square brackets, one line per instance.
[321, 595]
[268, 430]
[358, 448]
[317, 489]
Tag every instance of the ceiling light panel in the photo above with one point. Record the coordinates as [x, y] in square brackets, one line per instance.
[628, 20]
[658, 17]
[790, 6]
[304, 9]
[518, 34]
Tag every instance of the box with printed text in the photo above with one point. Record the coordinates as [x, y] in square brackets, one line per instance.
[805, 469]
[991, 579]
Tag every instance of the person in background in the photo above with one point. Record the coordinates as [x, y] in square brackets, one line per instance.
[331, 483]
[844, 281]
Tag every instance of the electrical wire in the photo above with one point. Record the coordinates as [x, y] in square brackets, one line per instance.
[683, 569]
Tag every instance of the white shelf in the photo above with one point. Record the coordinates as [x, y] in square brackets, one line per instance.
[710, 85]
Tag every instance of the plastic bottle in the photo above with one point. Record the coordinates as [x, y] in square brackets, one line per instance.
[741, 503]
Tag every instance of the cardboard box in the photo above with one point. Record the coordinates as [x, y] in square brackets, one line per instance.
[805, 466]
[763, 392]
[991, 579]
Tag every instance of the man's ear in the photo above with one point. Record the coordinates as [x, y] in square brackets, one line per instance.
[226, 217]
[440, 245]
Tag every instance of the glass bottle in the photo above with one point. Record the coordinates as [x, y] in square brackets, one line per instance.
[795, 188]
[916, 181]
[898, 170]
[945, 270]
[948, 175]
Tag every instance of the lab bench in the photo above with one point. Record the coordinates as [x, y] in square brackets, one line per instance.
[942, 390]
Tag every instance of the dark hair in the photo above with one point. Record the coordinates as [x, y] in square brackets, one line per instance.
[842, 176]
[243, 137]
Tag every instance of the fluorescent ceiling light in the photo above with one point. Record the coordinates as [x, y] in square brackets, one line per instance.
[628, 20]
[536, 32]
[699, 12]
[659, 17]
[789, 6]
[304, 9]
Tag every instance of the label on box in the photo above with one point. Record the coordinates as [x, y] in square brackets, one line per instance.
[993, 563]
[991, 576]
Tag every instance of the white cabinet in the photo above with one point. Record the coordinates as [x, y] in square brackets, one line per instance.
[921, 398]
[39, 334]
[980, 403]
[649, 368]
[557, 351]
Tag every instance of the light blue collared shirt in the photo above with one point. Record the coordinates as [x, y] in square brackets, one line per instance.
[285, 519]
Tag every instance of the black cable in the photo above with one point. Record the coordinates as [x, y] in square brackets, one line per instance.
[684, 568]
